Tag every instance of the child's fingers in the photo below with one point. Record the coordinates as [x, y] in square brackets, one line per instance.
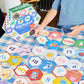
[74, 27]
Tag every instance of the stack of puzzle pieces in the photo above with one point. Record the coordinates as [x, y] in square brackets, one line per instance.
[20, 21]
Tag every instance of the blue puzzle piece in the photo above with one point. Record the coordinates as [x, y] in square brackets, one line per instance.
[47, 66]
[53, 44]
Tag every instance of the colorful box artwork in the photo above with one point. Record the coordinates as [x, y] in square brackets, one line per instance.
[20, 21]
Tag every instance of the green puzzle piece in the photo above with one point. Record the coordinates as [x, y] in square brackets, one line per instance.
[79, 43]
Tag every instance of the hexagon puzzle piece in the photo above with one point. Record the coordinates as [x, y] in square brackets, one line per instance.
[68, 41]
[23, 51]
[34, 62]
[21, 70]
[54, 34]
[50, 54]
[12, 48]
[74, 64]
[20, 80]
[42, 40]
[47, 78]
[6, 74]
[61, 60]
[73, 75]
[63, 80]
[14, 60]
[34, 74]
[4, 57]
[59, 71]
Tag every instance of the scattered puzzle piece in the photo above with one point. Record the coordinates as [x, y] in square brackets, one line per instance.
[74, 64]
[12, 48]
[38, 50]
[4, 57]
[6, 74]
[61, 60]
[50, 54]
[59, 71]
[54, 34]
[34, 74]
[21, 70]
[45, 33]
[42, 40]
[79, 43]
[69, 52]
[68, 41]
[80, 53]
[73, 75]
[14, 60]
[47, 79]
[53, 44]
[34, 62]
[63, 80]
[20, 80]
[23, 51]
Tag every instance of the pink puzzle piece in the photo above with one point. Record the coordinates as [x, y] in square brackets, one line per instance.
[23, 51]
[54, 34]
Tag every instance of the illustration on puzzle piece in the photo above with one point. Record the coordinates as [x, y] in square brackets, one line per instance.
[53, 44]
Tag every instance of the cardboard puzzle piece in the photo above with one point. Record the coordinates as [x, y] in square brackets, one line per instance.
[35, 61]
[68, 41]
[42, 40]
[4, 57]
[69, 52]
[38, 50]
[54, 34]
[47, 66]
[79, 43]
[50, 54]
[23, 51]
[34, 74]
[21, 70]
[6, 74]
[22, 19]
[47, 78]
[14, 60]
[53, 44]
[59, 71]
[63, 80]
[73, 75]
[12, 48]
[45, 33]
[81, 82]
[61, 60]
[80, 53]
[3, 82]
[20, 80]
[74, 64]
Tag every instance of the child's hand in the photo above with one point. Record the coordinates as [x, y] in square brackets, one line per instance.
[38, 31]
[76, 30]
[34, 82]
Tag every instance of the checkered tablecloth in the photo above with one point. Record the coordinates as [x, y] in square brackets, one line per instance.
[31, 42]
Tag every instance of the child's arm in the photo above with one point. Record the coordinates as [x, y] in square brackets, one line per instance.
[48, 18]
[76, 30]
